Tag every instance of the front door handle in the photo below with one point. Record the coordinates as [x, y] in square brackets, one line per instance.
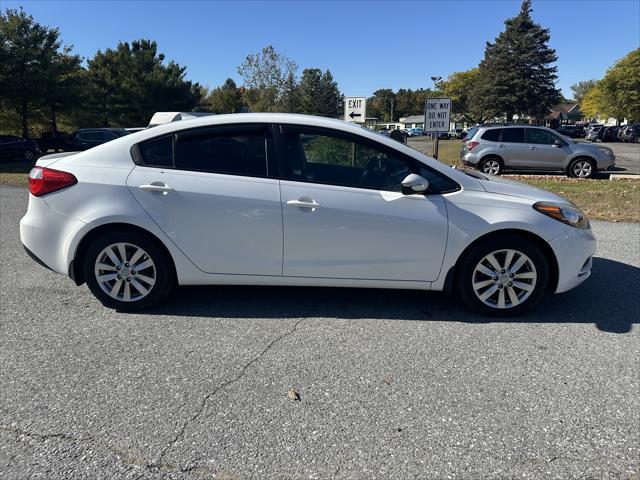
[502, 146]
[533, 148]
[157, 187]
[303, 203]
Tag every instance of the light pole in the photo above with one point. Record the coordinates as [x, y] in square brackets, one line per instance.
[435, 80]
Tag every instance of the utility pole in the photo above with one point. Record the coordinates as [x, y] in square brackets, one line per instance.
[391, 109]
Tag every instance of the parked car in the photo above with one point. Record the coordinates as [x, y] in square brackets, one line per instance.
[456, 133]
[16, 148]
[279, 199]
[610, 134]
[53, 141]
[415, 132]
[570, 131]
[495, 149]
[631, 134]
[595, 134]
[590, 127]
[86, 138]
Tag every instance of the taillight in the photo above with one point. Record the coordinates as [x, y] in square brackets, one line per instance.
[472, 145]
[46, 180]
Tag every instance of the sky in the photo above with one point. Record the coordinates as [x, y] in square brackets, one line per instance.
[366, 44]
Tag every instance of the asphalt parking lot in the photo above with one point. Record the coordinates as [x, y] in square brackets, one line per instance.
[393, 384]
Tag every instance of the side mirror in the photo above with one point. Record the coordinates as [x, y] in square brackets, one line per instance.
[414, 183]
[557, 143]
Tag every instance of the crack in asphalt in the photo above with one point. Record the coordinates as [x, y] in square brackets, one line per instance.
[157, 464]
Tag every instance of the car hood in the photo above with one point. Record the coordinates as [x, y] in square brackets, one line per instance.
[502, 186]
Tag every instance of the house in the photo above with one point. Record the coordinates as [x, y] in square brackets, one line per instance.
[562, 114]
[412, 121]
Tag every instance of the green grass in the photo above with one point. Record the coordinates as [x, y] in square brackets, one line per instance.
[15, 173]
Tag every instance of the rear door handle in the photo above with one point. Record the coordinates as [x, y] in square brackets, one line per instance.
[157, 187]
[533, 148]
[303, 203]
[502, 146]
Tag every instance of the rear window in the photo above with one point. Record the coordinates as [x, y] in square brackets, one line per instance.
[491, 135]
[471, 133]
[513, 135]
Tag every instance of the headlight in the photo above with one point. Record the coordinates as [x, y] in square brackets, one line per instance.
[606, 152]
[564, 213]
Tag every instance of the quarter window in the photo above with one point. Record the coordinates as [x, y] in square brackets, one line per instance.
[512, 135]
[157, 152]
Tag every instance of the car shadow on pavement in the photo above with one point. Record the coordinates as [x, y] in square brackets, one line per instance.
[610, 299]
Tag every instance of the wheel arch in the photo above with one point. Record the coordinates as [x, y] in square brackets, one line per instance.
[546, 249]
[578, 157]
[75, 266]
[491, 155]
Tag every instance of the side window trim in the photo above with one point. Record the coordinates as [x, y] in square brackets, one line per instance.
[280, 129]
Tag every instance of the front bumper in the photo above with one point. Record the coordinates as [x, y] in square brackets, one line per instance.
[574, 250]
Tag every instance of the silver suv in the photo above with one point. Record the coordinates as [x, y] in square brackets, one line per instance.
[494, 149]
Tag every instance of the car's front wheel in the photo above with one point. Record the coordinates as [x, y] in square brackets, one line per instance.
[127, 271]
[503, 276]
[582, 168]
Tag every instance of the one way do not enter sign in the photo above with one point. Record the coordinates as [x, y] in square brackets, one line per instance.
[355, 109]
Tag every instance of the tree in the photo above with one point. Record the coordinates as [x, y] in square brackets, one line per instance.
[319, 93]
[29, 61]
[460, 86]
[290, 101]
[621, 87]
[581, 88]
[593, 103]
[379, 105]
[129, 84]
[265, 74]
[226, 98]
[63, 86]
[517, 75]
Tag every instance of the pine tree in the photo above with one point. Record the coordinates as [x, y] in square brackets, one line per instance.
[517, 75]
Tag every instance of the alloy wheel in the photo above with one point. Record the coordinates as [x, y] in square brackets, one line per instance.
[582, 169]
[28, 155]
[125, 272]
[491, 167]
[504, 278]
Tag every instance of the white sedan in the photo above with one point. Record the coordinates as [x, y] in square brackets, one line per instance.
[278, 199]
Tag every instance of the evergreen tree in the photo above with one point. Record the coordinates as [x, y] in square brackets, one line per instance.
[30, 58]
[225, 98]
[517, 75]
[290, 101]
[319, 93]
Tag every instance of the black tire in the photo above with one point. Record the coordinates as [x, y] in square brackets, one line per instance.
[466, 272]
[571, 169]
[491, 161]
[162, 271]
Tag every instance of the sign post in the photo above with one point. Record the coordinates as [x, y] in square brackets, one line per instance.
[437, 116]
[355, 109]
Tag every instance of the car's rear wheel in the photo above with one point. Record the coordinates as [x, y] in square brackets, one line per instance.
[127, 271]
[582, 168]
[503, 276]
[491, 165]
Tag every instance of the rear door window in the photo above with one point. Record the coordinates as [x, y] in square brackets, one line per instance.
[512, 135]
[242, 153]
